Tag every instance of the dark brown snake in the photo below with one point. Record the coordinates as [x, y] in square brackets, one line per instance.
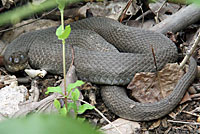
[106, 53]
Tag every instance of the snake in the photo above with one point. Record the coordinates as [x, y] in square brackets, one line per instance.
[106, 53]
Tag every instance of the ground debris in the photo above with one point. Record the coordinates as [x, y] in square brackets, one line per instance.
[125, 126]
[149, 87]
[11, 96]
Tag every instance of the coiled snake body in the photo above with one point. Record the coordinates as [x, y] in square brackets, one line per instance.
[106, 53]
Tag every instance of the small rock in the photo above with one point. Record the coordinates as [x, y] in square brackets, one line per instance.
[10, 97]
[125, 126]
[192, 90]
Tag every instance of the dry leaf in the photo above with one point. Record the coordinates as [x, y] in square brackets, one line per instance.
[186, 98]
[198, 119]
[147, 87]
[155, 125]
[125, 127]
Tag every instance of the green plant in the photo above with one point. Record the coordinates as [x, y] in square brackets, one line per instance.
[17, 14]
[62, 34]
[46, 124]
[75, 93]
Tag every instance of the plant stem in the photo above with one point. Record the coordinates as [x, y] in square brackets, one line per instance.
[64, 65]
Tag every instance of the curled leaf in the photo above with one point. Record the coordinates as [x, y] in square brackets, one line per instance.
[85, 107]
[54, 90]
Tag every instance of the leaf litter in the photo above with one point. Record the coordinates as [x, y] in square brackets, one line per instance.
[152, 87]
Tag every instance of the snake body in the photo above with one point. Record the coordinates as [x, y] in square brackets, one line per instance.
[106, 53]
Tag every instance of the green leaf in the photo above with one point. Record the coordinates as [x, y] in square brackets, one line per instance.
[54, 90]
[63, 34]
[63, 111]
[57, 104]
[61, 4]
[71, 86]
[194, 1]
[59, 31]
[84, 107]
[75, 94]
[152, 1]
[71, 105]
[46, 124]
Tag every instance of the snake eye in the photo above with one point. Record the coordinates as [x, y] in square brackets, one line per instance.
[16, 60]
[10, 59]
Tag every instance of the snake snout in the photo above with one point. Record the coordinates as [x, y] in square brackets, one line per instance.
[16, 61]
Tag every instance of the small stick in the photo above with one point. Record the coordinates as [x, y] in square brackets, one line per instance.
[154, 58]
[184, 122]
[189, 54]
[102, 116]
[143, 15]
[190, 113]
[195, 95]
[175, 114]
[157, 11]
[12, 28]
[157, 73]
[125, 10]
[3, 71]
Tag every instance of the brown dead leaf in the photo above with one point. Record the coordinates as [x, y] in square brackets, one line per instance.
[186, 98]
[172, 115]
[164, 123]
[124, 126]
[198, 119]
[149, 87]
[155, 125]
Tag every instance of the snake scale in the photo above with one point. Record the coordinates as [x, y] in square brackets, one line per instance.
[107, 53]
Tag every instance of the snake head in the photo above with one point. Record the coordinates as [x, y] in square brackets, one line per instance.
[17, 61]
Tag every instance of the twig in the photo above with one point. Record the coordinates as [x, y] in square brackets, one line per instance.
[181, 19]
[3, 71]
[125, 10]
[154, 58]
[143, 15]
[157, 73]
[195, 95]
[101, 114]
[43, 15]
[157, 11]
[175, 114]
[184, 122]
[189, 54]
[190, 113]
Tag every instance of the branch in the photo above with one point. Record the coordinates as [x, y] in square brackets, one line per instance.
[189, 54]
[181, 19]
